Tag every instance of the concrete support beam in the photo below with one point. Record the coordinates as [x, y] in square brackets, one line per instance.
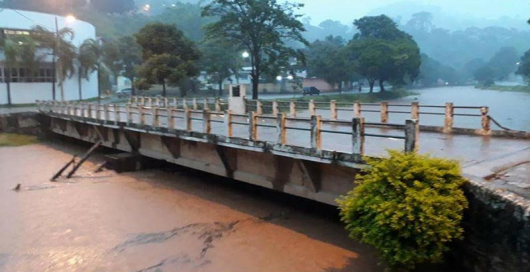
[172, 145]
[311, 175]
[228, 157]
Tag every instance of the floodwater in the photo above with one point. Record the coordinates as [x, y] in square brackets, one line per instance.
[155, 220]
[510, 109]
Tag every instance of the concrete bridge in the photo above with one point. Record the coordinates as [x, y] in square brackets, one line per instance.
[285, 146]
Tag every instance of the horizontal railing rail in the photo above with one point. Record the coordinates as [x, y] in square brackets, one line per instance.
[112, 114]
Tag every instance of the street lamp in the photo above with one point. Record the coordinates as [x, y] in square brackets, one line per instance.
[290, 77]
[70, 19]
[245, 54]
[279, 78]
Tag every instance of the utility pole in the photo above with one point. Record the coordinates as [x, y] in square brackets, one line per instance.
[54, 63]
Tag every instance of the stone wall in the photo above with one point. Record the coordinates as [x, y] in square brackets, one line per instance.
[24, 123]
[497, 231]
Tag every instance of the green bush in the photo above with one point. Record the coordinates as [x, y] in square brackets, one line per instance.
[408, 206]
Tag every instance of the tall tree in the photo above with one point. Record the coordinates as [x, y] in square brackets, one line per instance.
[87, 59]
[130, 58]
[326, 59]
[523, 68]
[504, 62]
[168, 56]
[384, 53]
[63, 51]
[10, 52]
[220, 61]
[260, 27]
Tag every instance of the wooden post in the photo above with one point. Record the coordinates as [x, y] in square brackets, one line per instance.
[333, 109]
[228, 123]
[275, 110]
[449, 117]
[312, 108]
[194, 103]
[384, 112]
[117, 113]
[357, 109]
[187, 119]
[170, 118]
[142, 115]
[316, 126]
[358, 136]
[292, 108]
[154, 112]
[412, 135]
[282, 130]
[259, 107]
[218, 105]
[206, 121]
[253, 126]
[485, 121]
[415, 111]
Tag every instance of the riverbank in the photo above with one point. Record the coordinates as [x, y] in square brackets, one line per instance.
[517, 89]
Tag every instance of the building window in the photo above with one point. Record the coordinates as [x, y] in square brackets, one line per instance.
[43, 74]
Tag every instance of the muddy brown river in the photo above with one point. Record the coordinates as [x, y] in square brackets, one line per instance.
[155, 220]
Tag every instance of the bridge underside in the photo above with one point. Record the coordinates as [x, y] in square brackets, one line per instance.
[321, 176]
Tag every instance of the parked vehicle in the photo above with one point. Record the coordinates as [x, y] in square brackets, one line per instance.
[124, 93]
[310, 91]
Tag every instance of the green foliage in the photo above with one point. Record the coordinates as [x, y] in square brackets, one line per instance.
[326, 59]
[130, 58]
[168, 56]
[220, 61]
[432, 71]
[504, 62]
[261, 28]
[524, 65]
[408, 206]
[485, 75]
[384, 53]
[11, 139]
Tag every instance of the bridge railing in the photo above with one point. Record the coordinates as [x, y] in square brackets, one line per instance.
[170, 117]
[183, 103]
[385, 110]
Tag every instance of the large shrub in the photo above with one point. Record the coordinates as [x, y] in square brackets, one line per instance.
[408, 206]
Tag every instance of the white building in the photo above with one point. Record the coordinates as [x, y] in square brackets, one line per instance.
[25, 89]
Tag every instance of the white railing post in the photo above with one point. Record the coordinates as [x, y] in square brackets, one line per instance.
[357, 109]
[449, 117]
[218, 105]
[312, 108]
[117, 113]
[194, 101]
[333, 109]
[259, 107]
[275, 109]
[316, 126]
[384, 112]
[412, 135]
[415, 110]
[206, 121]
[292, 108]
[187, 119]
[170, 118]
[253, 126]
[358, 135]
[155, 116]
[282, 130]
[485, 121]
[228, 123]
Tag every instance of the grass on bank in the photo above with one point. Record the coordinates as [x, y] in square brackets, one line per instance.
[362, 97]
[518, 89]
[12, 139]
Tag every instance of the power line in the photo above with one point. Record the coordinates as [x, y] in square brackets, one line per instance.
[31, 19]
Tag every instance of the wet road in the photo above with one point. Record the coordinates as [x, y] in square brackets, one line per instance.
[156, 221]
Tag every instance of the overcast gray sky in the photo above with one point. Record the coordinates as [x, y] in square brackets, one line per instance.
[348, 10]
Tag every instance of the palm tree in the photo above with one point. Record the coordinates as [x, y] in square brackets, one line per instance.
[10, 51]
[62, 49]
[87, 58]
